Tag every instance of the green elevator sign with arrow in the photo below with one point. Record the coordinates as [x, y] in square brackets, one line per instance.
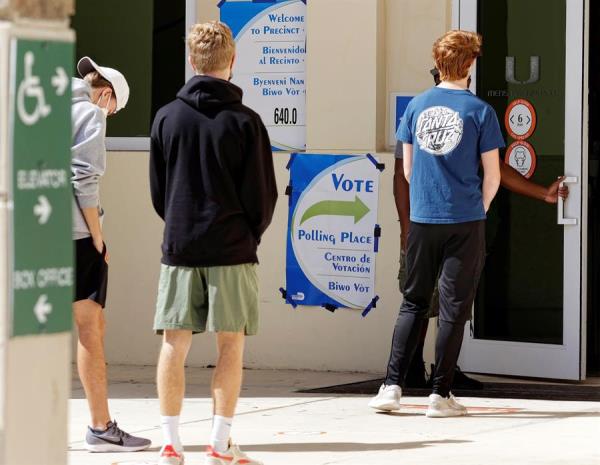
[40, 147]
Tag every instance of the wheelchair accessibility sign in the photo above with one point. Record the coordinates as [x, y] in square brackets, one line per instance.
[30, 88]
[40, 149]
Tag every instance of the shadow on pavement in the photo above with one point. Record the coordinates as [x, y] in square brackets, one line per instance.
[517, 414]
[334, 446]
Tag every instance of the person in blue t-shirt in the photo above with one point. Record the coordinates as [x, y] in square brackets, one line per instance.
[512, 180]
[447, 134]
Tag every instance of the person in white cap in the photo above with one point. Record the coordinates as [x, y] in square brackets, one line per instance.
[99, 93]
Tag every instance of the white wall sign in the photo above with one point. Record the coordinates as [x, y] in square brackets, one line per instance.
[271, 63]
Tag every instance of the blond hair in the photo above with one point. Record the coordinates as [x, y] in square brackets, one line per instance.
[454, 53]
[96, 81]
[211, 46]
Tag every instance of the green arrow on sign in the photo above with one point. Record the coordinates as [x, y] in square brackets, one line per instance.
[355, 208]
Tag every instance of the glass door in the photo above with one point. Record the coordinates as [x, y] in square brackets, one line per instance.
[528, 311]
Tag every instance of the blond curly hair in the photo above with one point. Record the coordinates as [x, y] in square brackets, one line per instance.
[211, 46]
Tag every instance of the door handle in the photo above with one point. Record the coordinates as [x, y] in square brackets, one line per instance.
[561, 203]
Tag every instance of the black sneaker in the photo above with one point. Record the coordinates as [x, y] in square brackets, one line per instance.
[114, 439]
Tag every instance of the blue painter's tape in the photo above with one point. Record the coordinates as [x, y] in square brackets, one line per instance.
[330, 307]
[371, 306]
[292, 158]
[377, 235]
[284, 297]
[379, 166]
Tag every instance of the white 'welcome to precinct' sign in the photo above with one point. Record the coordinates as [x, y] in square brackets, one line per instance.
[270, 67]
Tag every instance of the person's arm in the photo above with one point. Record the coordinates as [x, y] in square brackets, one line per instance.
[491, 176]
[402, 199]
[258, 190]
[92, 218]
[158, 171]
[515, 182]
[408, 160]
[87, 166]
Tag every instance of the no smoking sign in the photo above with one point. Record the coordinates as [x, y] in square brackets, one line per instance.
[520, 119]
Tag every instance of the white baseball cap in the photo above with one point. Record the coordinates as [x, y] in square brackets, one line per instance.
[119, 83]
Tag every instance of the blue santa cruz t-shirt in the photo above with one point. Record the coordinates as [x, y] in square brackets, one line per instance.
[449, 130]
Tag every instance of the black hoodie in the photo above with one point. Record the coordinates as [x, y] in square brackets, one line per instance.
[211, 176]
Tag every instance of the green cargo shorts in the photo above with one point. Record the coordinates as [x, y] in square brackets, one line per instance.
[434, 304]
[215, 299]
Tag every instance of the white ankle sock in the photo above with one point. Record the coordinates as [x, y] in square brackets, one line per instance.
[170, 428]
[221, 429]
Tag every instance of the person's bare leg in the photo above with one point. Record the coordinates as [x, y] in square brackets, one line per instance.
[226, 386]
[170, 379]
[171, 371]
[227, 377]
[91, 363]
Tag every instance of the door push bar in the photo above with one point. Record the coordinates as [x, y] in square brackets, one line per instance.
[561, 203]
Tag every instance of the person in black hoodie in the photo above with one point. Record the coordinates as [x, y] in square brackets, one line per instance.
[213, 183]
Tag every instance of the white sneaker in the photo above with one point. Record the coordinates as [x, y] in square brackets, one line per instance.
[456, 405]
[388, 398]
[232, 456]
[169, 456]
[440, 407]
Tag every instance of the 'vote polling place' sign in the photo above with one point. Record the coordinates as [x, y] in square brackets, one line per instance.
[332, 231]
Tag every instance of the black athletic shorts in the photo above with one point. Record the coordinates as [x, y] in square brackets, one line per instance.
[91, 272]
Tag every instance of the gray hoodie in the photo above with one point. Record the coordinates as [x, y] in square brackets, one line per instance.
[88, 154]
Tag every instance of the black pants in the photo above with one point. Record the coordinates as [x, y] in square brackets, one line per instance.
[457, 252]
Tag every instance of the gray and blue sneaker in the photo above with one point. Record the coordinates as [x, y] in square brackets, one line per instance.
[114, 439]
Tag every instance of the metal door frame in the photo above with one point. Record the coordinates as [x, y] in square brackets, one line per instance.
[566, 361]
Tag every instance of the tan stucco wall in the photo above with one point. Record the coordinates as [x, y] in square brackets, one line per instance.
[306, 337]
[37, 9]
[345, 75]
[411, 28]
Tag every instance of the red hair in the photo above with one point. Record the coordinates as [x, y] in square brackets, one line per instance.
[455, 52]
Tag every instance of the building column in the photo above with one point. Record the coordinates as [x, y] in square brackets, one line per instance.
[35, 313]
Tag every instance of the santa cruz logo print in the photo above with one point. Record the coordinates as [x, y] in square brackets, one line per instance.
[439, 130]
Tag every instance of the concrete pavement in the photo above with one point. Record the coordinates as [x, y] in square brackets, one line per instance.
[280, 426]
